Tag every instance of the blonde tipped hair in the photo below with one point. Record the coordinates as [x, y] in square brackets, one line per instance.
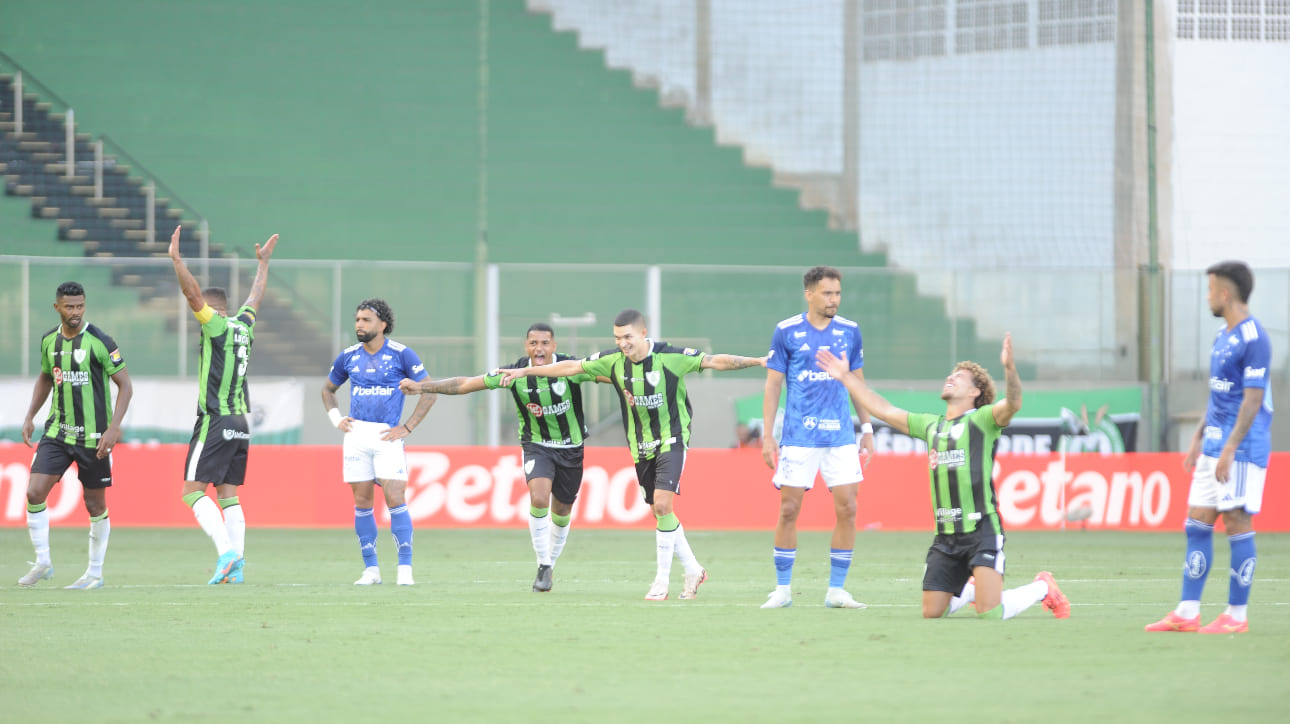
[980, 380]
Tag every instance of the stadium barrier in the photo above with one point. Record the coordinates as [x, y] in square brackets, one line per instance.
[300, 486]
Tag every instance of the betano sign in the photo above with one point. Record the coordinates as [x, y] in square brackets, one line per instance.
[300, 486]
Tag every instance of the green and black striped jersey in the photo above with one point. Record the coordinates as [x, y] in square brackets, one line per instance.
[961, 463]
[549, 408]
[226, 351]
[656, 408]
[80, 409]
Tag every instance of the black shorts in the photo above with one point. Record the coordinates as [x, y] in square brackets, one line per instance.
[217, 452]
[952, 557]
[662, 472]
[561, 465]
[54, 457]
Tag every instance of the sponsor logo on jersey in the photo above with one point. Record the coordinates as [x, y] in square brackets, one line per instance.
[236, 435]
[1255, 374]
[952, 458]
[830, 425]
[1220, 385]
[417, 368]
[372, 391]
[540, 410]
[115, 356]
[949, 515]
[690, 352]
[799, 335]
[809, 376]
[71, 429]
[75, 378]
[240, 337]
[651, 402]
[386, 357]
[806, 347]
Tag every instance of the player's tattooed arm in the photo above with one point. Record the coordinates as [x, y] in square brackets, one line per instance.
[449, 386]
[725, 362]
[1011, 403]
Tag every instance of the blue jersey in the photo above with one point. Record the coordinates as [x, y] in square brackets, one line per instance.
[1241, 359]
[818, 411]
[374, 394]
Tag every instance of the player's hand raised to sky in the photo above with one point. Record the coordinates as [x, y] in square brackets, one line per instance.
[174, 244]
[264, 252]
[835, 365]
[1006, 355]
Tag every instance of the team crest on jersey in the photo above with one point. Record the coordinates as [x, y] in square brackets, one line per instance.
[810, 422]
[956, 431]
[653, 377]
[79, 356]
[558, 387]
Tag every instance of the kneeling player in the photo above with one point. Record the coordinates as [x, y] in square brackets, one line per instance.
[961, 445]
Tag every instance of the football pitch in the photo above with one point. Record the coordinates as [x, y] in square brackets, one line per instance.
[471, 642]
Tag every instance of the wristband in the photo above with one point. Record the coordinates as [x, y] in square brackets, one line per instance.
[866, 428]
[334, 415]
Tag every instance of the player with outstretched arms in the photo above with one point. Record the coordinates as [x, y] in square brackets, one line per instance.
[552, 428]
[650, 379]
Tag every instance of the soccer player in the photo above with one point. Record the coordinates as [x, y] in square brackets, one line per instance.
[1228, 455]
[76, 362]
[218, 450]
[552, 428]
[650, 379]
[965, 563]
[816, 435]
[374, 436]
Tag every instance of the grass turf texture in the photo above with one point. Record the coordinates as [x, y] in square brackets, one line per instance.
[470, 642]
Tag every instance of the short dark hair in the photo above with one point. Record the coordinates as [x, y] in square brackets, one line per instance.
[69, 289]
[381, 310]
[629, 318]
[816, 274]
[218, 293]
[1238, 273]
[540, 327]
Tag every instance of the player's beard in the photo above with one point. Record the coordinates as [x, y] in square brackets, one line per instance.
[365, 337]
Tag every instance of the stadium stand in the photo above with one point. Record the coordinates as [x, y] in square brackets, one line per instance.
[581, 167]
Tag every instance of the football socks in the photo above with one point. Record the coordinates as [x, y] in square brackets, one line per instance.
[38, 529]
[365, 528]
[784, 558]
[401, 527]
[100, 531]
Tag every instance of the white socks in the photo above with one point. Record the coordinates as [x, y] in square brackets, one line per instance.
[38, 529]
[666, 541]
[559, 535]
[540, 532]
[1016, 600]
[208, 517]
[100, 531]
[1188, 609]
[967, 596]
[684, 553]
[235, 525]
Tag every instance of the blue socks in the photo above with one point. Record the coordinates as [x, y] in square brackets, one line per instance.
[784, 558]
[839, 564]
[365, 527]
[1200, 551]
[1238, 592]
[401, 527]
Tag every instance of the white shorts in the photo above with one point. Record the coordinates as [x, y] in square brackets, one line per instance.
[368, 457]
[837, 465]
[1243, 489]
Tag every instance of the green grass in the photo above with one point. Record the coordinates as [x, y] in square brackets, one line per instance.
[298, 642]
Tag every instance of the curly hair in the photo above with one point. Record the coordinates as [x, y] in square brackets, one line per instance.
[69, 289]
[980, 380]
[381, 310]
